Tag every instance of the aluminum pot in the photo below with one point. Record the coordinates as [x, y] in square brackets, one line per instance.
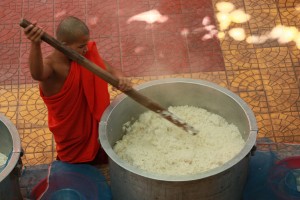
[223, 183]
[10, 145]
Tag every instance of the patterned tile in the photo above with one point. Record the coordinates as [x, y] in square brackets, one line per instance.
[290, 17]
[196, 6]
[171, 54]
[8, 98]
[138, 45]
[139, 66]
[9, 73]
[237, 3]
[294, 139]
[283, 100]
[9, 33]
[133, 27]
[281, 90]
[228, 42]
[196, 43]
[286, 127]
[174, 25]
[218, 77]
[295, 55]
[13, 5]
[240, 59]
[109, 49]
[166, 6]
[264, 18]
[273, 57]
[104, 27]
[133, 7]
[208, 60]
[193, 22]
[36, 140]
[10, 112]
[10, 14]
[259, 4]
[268, 43]
[279, 79]
[37, 158]
[37, 11]
[32, 108]
[287, 3]
[182, 75]
[297, 72]
[245, 81]
[104, 9]
[257, 100]
[264, 124]
[63, 8]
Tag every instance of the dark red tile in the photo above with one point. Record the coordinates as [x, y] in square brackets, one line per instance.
[166, 6]
[206, 61]
[196, 43]
[171, 51]
[196, 6]
[103, 27]
[24, 56]
[9, 72]
[14, 6]
[9, 54]
[174, 25]
[103, 8]
[175, 66]
[37, 11]
[133, 27]
[195, 22]
[63, 9]
[133, 7]
[139, 66]
[109, 49]
[10, 16]
[9, 33]
[139, 45]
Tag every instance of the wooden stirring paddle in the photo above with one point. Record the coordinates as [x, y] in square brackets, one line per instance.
[109, 78]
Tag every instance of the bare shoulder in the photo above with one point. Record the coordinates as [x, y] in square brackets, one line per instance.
[49, 61]
[59, 70]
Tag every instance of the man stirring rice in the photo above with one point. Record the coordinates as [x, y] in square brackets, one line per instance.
[74, 96]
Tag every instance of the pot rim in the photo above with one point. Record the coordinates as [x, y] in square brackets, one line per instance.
[16, 149]
[249, 143]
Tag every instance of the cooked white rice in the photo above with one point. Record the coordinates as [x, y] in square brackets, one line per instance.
[155, 145]
[3, 159]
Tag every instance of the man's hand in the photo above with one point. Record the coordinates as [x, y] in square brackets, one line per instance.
[34, 33]
[124, 84]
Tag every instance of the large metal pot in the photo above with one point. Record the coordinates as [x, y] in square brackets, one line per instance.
[225, 182]
[10, 145]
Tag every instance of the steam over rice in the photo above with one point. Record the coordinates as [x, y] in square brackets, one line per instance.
[156, 145]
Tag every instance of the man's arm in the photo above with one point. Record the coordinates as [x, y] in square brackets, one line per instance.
[39, 70]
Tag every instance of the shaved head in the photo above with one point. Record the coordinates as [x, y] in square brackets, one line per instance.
[71, 29]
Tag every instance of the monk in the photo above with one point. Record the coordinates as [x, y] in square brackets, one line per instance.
[75, 97]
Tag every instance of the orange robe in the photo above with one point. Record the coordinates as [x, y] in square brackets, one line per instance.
[74, 113]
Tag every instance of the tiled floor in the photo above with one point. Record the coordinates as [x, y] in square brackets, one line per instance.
[265, 75]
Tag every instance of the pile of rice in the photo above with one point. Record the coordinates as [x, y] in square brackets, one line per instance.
[3, 159]
[156, 145]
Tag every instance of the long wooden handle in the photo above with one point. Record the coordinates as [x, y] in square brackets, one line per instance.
[109, 78]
